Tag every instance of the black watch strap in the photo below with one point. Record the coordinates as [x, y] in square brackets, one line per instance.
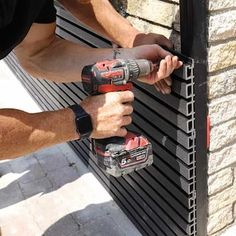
[83, 121]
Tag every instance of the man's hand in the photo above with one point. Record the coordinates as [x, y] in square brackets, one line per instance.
[110, 113]
[166, 64]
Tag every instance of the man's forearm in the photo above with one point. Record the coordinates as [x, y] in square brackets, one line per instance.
[63, 61]
[101, 16]
[22, 133]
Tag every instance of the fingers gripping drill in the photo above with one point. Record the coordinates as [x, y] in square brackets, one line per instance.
[118, 155]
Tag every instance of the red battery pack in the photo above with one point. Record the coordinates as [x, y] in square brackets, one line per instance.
[121, 155]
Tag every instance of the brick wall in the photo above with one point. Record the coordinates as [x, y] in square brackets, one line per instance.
[222, 110]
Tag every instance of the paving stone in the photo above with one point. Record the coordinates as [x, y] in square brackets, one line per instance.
[8, 214]
[51, 158]
[93, 212]
[21, 225]
[68, 152]
[10, 195]
[38, 186]
[4, 168]
[62, 176]
[124, 222]
[22, 164]
[30, 165]
[66, 226]
[46, 209]
[101, 227]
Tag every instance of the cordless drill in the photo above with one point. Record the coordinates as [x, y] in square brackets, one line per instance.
[118, 155]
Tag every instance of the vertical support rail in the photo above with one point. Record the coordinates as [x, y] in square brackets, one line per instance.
[193, 17]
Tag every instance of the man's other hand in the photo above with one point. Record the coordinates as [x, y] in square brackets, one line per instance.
[165, 62]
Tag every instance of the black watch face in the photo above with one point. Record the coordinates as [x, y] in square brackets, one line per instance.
[84, 125]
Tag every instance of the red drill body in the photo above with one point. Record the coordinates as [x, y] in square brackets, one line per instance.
[118, 155]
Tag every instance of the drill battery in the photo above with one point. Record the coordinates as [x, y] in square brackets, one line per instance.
[121, 155]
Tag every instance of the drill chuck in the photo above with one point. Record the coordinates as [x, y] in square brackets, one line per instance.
[135, 69]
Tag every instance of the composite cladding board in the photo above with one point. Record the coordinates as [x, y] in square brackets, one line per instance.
[161, 199]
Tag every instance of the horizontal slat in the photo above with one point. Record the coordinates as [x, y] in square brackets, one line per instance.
[181, 88]
[81, 34]
[175, 118]
[177, 103]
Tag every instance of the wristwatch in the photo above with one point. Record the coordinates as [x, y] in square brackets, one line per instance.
[83, 121]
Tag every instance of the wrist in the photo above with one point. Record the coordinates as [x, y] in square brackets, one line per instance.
[82, 120]
[71, 125]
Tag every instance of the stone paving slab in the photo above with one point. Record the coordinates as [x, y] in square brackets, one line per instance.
[51, 192]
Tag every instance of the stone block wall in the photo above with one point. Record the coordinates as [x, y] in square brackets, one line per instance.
[222, 112]
[156, 16]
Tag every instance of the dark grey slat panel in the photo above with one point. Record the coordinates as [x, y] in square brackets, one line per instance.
[65, 104]
[175, 203]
